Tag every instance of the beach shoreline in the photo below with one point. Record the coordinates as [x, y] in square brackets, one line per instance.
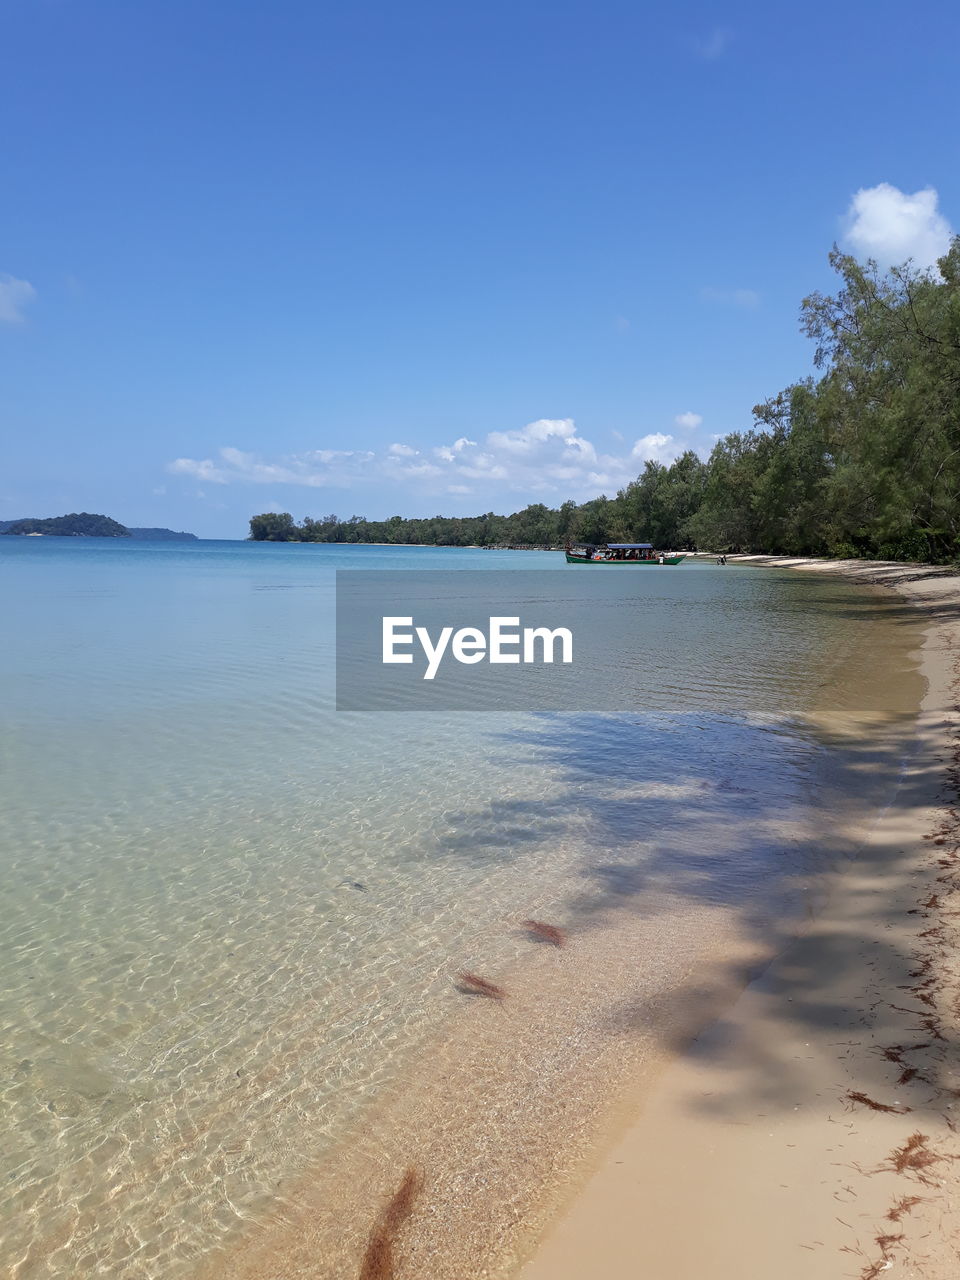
[237, 1019]
[680, 852]
[784, 1141]
[523, 1109]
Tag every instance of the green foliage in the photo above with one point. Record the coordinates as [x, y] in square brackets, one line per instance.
[889, 404]
[76, 525]
[864, 461]
[536, 524]
[161, 535]
[274, 527]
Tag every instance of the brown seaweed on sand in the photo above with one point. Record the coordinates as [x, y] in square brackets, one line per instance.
[548, 932]
[854, 1095]
[895, 1052]
[477, 986]
[913, 1157]
[378, 1261]
[886, 1241]
[902, 1206]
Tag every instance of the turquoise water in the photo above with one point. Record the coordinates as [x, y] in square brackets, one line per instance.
[232, 915]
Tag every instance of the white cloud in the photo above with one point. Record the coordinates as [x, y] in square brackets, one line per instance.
[449, 452]
[200, 469]
[548, 457]
[415, 468]
[532, 438]
[14, 296]
[655, 448]
[688, 421]
[732, 297]
[317, 469]
[890, 226]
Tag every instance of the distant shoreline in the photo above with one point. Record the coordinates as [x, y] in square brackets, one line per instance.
[87, 524]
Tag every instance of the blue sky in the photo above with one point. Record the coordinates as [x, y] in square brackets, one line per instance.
[431, 257]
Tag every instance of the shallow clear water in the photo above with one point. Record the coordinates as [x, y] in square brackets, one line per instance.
[231, 915]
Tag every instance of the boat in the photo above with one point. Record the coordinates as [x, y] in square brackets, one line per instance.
[623, 553]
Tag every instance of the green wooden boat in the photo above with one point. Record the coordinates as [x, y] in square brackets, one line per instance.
[622, 553]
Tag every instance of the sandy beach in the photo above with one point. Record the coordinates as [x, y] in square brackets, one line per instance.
[713, 1071]
[810, 1132]
[783, 1108]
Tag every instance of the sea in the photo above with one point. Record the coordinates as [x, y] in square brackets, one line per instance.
[235, 920]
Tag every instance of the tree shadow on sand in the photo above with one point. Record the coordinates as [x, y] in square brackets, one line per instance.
[728, 848]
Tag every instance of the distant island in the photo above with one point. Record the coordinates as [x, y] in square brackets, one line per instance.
[83, 524]
[161, 535]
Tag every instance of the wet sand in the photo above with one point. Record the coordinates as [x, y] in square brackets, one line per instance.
[501, 1113]
[810, 1131]
[234, 1012]
[505, 1123]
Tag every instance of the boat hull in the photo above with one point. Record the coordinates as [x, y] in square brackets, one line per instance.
[634, 564]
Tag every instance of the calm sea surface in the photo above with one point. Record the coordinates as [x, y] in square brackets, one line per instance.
[231, 915]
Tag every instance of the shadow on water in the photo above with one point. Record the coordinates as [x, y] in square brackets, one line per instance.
[847, 599]
[897, 612]
[655, 810]
[503, 831]
[712, 834]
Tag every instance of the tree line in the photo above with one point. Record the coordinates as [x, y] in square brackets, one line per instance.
[78, 524]
[862, 460]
